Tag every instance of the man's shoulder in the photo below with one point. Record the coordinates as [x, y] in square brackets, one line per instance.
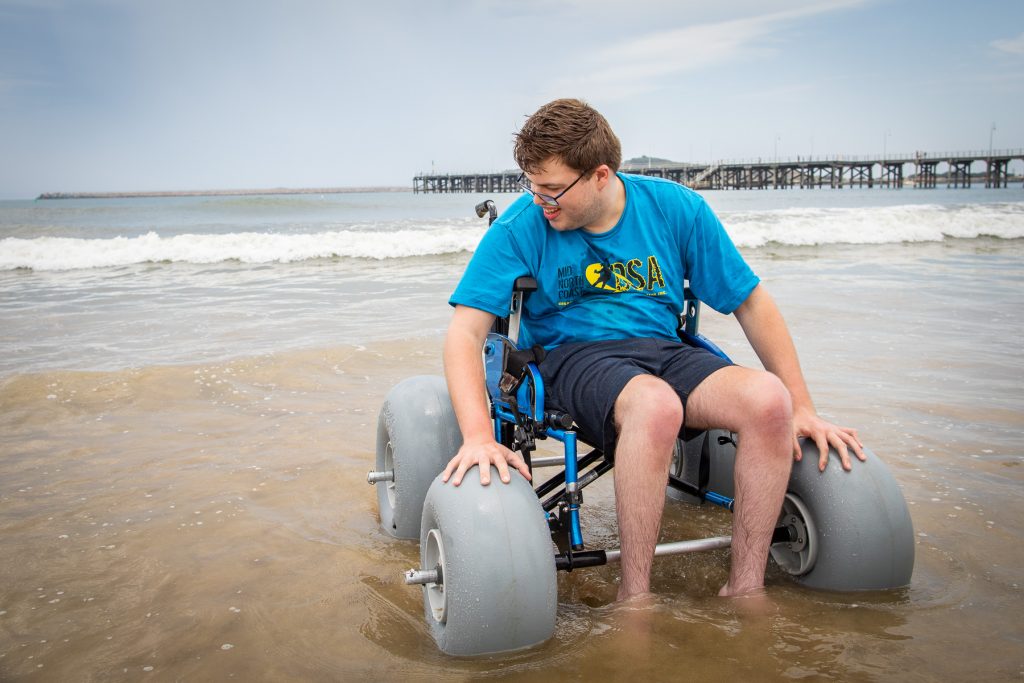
[661, 189]
[518, 230]
[520, 215]
[665, 200]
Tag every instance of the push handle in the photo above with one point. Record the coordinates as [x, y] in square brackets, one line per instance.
[486, 208]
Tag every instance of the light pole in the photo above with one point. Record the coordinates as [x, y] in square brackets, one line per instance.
[885, 145]
[992, 181]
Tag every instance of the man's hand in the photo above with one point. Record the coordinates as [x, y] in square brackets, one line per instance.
[824, 434]
[483, 454]
[464, 369]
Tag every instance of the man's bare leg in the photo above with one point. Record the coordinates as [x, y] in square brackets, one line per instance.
[756, 406]
[648, 415]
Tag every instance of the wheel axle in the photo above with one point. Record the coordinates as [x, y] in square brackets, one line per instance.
[373, 477]
[421, 577]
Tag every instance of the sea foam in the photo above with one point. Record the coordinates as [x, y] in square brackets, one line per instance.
[876, 225]
[65, 253]
[749, 229]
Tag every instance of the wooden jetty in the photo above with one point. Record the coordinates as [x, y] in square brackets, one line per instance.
[928, 170]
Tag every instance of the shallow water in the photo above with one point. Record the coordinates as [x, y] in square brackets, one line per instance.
[133, 283]
[211, 520]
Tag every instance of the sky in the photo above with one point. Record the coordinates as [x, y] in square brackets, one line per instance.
[130, 95]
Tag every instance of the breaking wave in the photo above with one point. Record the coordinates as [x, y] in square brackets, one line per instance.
[749, 229]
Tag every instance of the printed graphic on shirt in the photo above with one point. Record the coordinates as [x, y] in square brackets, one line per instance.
[637, 275]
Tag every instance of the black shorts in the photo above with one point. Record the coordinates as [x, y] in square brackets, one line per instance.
[584, 379]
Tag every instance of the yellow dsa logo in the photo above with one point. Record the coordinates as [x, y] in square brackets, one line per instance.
[625, 277]
[603, 276]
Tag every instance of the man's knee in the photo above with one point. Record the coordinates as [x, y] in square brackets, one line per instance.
[650, 404]
[767, 403]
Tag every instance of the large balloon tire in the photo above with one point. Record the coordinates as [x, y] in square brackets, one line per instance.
[498, 589]
[856, 529]
[850, 531]
[417, 434]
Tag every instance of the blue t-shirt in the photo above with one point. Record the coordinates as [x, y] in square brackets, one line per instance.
[624, 283]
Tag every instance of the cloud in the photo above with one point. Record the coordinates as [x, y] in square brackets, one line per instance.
[1014, 46]
[647, 62]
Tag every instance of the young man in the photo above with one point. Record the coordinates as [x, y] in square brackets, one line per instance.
[610, 253]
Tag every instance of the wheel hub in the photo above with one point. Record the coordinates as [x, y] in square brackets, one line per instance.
[433, 556]
[389, 466]
[798, 555]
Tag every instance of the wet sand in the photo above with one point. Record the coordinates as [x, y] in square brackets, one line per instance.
[209, 522]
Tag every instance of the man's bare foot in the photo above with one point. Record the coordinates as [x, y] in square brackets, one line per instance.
[743, 592]
[644, 599]
[634, 617]
[752, 603]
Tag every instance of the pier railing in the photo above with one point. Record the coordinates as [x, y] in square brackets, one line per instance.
[929, 170]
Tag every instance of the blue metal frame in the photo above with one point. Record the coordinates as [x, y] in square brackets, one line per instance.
[520, 419]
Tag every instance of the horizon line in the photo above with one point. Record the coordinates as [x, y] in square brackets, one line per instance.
[223, 193]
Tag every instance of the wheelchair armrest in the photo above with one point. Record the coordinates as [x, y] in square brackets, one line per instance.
[525, 284]
[509, 325]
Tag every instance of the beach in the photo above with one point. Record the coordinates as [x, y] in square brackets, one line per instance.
[189, 391]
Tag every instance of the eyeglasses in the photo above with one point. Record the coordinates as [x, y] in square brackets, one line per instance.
[546, 199]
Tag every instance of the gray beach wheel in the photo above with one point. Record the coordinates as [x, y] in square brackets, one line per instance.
[497, 590]
[417, 434]
[850, 530]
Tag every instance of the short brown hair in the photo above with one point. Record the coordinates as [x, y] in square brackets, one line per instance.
[570, 130]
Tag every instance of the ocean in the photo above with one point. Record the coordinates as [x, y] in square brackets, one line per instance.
[188, 399]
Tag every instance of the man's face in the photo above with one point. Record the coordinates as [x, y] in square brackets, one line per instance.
[577, 208]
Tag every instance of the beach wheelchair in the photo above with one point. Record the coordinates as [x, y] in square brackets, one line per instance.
[489, 555]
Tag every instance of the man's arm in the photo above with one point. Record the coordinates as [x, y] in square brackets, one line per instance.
[767, 333]
[464, 370]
